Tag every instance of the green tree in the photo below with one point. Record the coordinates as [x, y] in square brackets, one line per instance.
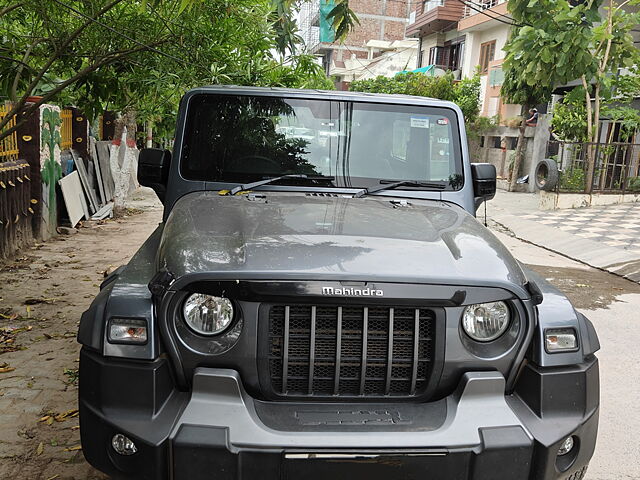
[549, 48]
[558, 41]
[141, 56]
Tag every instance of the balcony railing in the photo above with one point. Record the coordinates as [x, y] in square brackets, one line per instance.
[431, 4]
[476, 6]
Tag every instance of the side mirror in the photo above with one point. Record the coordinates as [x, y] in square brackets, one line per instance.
[153, 169]
[484, 182]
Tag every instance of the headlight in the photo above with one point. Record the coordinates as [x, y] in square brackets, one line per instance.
[206, 314]
[485, 321]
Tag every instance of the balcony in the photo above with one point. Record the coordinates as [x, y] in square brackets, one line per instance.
[478, 14]
[435, 16]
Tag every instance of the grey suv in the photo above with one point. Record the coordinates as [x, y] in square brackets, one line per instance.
[320, 302]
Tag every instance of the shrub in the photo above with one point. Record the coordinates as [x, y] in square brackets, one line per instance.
[513, 122]
[465, 93]
[572, 180]
[633, 184]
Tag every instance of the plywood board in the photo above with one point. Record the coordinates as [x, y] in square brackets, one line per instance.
[102, 149]
[104, 212]
[84, 179]
[96, 164]
[73, 197]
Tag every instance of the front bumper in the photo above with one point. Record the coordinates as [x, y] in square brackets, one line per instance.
[219, 431]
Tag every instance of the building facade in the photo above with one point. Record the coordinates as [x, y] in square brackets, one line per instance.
[380, 33]
[462, 36]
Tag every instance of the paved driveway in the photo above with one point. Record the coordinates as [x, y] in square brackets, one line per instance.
[614, 225]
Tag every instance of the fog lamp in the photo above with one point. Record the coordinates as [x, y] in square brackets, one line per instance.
[208, 314]
[557, 340]
[566, 446]
[127, 330]
[485, 321]
[123, 445]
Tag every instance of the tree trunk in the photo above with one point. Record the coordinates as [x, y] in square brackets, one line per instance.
[125, 121]
[149, 142]
[122, 159]
[517, 161]
[593, 138]
[590, 157]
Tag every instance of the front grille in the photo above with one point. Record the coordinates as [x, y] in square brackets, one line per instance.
[350, 350]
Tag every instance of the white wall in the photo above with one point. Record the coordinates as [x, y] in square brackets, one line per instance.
[473, 41]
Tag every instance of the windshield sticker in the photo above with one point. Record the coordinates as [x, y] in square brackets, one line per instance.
[443, 121]
[419, 122]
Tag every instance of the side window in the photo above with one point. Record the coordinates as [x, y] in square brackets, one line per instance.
[401, 133]
[487, 54]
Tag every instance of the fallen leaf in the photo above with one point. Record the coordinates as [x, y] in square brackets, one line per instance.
[73, 449]
[54, 477]
[34, 301]
[6, 369]
[582, 285]
[50, 421]
[40, 449]
[44, 419]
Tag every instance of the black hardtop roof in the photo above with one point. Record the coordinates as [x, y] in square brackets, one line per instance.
[323, 94]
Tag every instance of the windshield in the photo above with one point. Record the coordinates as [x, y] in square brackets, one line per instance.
[231, 138]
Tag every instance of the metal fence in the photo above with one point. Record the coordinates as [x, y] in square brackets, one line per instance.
[8, 145]
[617, 166]
[66, 115]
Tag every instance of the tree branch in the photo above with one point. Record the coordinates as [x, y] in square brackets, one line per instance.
[106, 60]
[10, 8]
[14, 86]
[56, 54]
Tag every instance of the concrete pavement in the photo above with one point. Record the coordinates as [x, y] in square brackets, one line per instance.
[607, 238]
[612, 304]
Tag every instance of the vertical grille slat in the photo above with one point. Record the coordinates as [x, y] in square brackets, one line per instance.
[416, 350]
[336, 381]
[285, 349]
[387, 385]
[312, 348]
[365, 331]
[349, 350]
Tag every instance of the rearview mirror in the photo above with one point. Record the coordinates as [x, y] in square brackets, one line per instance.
[484, 182]
[153, 169]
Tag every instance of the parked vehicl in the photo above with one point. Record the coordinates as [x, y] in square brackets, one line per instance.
[320, 302]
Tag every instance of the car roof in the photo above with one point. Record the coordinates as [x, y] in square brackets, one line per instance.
[323, 94]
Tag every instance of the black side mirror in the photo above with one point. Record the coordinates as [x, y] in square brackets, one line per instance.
[484, 182]
[153, 169]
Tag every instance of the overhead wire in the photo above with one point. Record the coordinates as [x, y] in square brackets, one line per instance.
[511, 21]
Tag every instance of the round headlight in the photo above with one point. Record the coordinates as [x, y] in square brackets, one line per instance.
[485, 321]
[206, 314]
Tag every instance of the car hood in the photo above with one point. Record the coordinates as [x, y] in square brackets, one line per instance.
[329, 237]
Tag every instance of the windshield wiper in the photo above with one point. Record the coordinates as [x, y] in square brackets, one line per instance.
[390, 184]
[252, 185]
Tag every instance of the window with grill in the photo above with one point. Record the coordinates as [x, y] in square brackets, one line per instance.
[487, 54]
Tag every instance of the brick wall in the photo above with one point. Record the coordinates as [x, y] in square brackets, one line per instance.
[384, 26]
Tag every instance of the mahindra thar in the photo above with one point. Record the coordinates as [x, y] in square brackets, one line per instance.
[320, 302]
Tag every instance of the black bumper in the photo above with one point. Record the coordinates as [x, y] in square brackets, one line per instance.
[217, 433]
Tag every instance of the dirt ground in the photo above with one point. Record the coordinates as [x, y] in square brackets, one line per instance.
[42, 295]
[46, 288]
